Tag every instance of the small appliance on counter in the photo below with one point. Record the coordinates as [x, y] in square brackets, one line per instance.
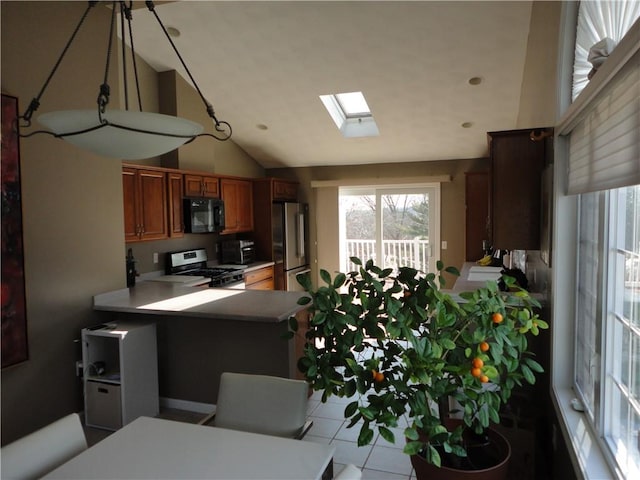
[241, 252]
[131, 269]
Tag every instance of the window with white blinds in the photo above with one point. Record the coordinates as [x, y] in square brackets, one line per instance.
[603, 123]
[605, 146]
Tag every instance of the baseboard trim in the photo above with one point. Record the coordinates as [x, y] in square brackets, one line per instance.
[187, 405]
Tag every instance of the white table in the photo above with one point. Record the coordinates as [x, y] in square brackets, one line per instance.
[152, 448]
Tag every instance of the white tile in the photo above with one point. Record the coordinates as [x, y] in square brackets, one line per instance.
[398, 432]
[324, 427]
[389, 460]
[312, 405]
[351, 434]
[349, 452]
[330, 410]
[368, 474]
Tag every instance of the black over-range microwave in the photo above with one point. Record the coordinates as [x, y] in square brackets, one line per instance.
[203, 215]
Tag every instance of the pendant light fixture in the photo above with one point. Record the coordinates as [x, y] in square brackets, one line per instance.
[123, 134]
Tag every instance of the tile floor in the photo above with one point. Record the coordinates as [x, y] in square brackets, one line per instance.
[380, 460]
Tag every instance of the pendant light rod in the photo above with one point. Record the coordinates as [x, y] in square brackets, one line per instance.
[217, 123]
[35, 102]
[121, 133]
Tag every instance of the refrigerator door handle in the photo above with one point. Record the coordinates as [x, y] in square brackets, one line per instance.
[301, 239]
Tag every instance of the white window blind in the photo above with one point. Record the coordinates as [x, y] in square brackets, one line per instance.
[605, 146]
[603, 124]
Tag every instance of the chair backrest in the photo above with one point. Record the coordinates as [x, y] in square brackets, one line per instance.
[262, 404]
[40, 452]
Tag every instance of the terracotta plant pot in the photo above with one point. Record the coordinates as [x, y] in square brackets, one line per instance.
[499, 445]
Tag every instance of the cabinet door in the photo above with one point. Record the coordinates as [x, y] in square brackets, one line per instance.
[201, 186]
[176, 222]
[261, 279]
[211, 187]
[516, 175]
[476, 214]
[238, 205]
[129, 189]
[153, 204]
[192, 185]
[245, 202]
[285, 191]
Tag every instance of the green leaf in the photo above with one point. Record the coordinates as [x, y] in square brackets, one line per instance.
[528, 374]
[433, 456]
[325, 276]
[411, 433]
[339, 280]
[448, 344]
[533, 365]
[304, 300]
[365, 437]
[387, 434]
[287, 335]
[356, 260]
[367, 413]
[293, 324]
[350, 409]
[413, 448]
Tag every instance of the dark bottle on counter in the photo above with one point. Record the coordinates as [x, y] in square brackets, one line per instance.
[131, 269]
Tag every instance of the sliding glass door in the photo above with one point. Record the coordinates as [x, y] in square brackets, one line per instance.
[393, 226]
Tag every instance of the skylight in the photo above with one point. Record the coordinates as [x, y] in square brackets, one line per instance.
[351, 114]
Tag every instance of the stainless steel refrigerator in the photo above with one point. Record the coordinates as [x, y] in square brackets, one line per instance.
[290, 246]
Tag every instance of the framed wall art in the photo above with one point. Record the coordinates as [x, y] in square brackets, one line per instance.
[15, 347]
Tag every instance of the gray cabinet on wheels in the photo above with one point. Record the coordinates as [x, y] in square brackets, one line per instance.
[120, 375]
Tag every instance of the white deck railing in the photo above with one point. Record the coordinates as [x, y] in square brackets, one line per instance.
[397, 253]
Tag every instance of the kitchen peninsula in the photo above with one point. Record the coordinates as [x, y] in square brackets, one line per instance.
[203, 332]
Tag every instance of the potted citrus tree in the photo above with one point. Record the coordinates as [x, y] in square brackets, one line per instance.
[406, 352]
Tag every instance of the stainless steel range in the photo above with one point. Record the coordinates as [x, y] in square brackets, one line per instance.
[194, 263]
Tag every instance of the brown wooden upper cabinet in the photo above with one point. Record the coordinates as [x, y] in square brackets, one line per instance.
[237, 195]
[201, 186]
[176, 214]
[518, 158]
[145, 204]
[477, 187]
[285, 191]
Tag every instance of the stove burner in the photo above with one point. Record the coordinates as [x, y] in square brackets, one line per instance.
[193, 262]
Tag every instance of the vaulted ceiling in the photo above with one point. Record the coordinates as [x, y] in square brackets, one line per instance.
[266, 64]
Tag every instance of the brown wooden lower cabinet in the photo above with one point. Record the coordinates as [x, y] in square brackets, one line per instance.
[261, 279]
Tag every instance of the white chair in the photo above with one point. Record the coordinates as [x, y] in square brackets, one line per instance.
[349, 472]
[44, 450]
[263, 404]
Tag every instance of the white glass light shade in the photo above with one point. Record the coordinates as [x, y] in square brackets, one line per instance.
[114, 142]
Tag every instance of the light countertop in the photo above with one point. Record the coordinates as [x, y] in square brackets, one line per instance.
[473, 276]
[158, 298]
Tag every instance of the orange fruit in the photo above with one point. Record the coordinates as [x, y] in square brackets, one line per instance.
[484, 346]
[378, 377]
[497, 317]
[478, 363]
[476, 372]
[484, 379]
